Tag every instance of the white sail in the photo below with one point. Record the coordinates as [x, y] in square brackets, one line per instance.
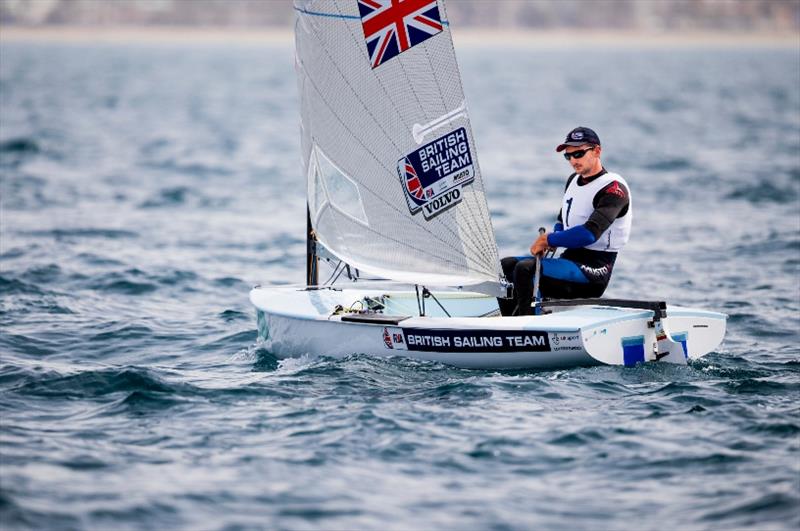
[394, 187]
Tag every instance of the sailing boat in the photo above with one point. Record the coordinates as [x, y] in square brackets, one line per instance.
[395, 193]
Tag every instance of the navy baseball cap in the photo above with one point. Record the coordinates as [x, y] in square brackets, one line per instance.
[579, 136]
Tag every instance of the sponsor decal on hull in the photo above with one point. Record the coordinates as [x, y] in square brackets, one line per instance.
[433, 176]
[561, 341]
[433, 340]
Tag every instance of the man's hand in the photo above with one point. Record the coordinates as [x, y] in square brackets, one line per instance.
[540, 246]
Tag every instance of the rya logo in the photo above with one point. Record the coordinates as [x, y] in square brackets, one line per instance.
[577, 135]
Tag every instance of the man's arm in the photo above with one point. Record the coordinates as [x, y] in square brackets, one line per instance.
[559, 225]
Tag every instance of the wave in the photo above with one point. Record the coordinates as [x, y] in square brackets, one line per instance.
[764, 192]
[98, 260]
[265, 361]
[141, 402]
[111, 234]
[781, 429]
[195, 169]
[134, 281]
[670, 164]
[229, 282]
[770, 510]
[733, 368]
[29, 345]
[119, 334]
[17, 516]
[142, 389]
[666, 105]
[122, 284]
[23, 191]
[230, 316]
[19, 145]
[762, 387]
[52, 280]
[14, 375]
[578, 438]
[97, 383]
[167, 197]
[13, 286]
[176, 277]
[233, 341]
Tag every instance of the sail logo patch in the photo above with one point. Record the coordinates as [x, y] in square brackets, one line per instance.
[392, 27]
[433, 176]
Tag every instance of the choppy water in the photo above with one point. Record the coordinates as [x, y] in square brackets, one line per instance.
[145, 188]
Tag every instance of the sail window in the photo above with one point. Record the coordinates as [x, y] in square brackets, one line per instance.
[316, 191]
[342, 192]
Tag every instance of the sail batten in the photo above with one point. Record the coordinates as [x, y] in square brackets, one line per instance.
[393, 180]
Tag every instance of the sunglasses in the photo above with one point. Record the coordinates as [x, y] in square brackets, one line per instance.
[577, 154]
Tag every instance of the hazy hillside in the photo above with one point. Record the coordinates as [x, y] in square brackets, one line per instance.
[733, 15]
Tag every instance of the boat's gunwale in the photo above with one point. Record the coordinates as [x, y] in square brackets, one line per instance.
[476, 322]
[681, 311]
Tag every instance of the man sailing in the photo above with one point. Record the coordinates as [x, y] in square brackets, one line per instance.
[593, 225]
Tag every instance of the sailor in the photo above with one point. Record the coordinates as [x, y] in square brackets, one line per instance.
[593, 225]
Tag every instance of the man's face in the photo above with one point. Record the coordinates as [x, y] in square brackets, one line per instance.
[584, 165]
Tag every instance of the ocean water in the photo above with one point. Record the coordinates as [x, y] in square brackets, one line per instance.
[146, 187]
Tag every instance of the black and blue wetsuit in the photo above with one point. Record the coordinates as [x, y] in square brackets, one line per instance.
[584, 269]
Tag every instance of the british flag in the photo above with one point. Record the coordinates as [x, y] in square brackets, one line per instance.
[394, 26]
[387, 338]
[413, 184]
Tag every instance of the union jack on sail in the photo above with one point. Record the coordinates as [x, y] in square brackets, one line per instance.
[394, 26]
[413, 184]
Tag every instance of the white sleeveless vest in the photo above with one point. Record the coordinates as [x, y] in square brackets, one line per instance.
[577, 207]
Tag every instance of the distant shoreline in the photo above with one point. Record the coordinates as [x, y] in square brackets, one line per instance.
[467, 36]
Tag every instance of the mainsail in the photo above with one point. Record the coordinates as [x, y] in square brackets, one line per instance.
[394, 187]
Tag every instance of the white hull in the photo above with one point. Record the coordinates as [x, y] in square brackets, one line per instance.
[296, 321]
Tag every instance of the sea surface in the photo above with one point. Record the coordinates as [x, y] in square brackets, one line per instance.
[146, 187]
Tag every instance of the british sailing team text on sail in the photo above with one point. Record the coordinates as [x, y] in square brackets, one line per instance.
[446, 154]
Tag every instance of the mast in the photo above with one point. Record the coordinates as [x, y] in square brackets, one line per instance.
[312, 261]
